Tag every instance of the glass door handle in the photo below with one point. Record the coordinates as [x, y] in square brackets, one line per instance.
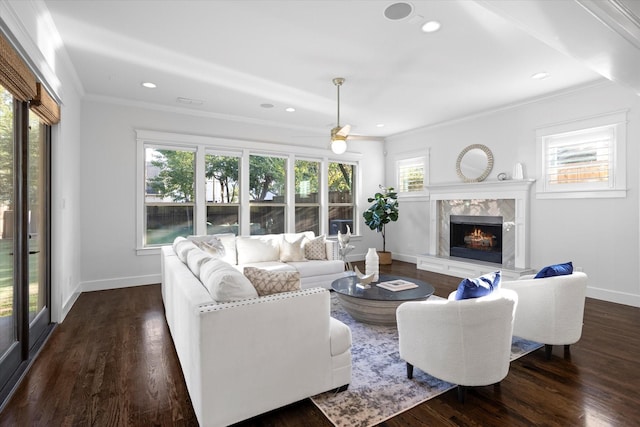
[33, 252]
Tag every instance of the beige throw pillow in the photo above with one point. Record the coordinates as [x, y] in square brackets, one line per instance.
[292, 251]
[315, 248]
[272, 282]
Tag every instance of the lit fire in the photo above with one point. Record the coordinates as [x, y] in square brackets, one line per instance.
[478, 238]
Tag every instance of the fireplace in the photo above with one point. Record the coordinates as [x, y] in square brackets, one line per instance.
[476, 237]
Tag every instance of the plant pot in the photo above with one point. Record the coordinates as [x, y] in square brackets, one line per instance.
[385, 257]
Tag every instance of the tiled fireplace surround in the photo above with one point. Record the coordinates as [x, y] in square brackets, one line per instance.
[509, 199]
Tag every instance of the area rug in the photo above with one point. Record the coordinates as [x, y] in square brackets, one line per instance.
[379, 387]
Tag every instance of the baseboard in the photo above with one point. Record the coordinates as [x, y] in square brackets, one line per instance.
[394, 255]
[66, 307]
[614, 296]
[120, 282]
[406, 258]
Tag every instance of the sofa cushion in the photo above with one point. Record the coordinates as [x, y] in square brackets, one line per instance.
[479, 286]
[182, 247]
[270, 266]
[340, 337]
[317, 268]
[258, 248]
[272, 282]
[224, 282]
[315, 248]
[555, 270]
[292, 250]
[195, 259]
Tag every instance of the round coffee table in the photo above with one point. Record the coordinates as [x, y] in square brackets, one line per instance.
[374, 304]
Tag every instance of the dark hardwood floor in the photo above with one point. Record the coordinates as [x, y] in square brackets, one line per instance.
[112, 363]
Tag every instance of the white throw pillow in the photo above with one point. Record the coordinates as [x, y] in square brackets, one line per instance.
[210, 266]
[195, 259]
[226, 284]
[258, 248]
[292, 251]
[224, 244]
[210, 244]
[182, 248]
[315, 248]
[272, 282]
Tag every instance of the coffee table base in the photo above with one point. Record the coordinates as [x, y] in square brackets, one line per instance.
[371, 311]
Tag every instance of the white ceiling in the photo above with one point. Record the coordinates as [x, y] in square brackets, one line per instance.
[236, 55]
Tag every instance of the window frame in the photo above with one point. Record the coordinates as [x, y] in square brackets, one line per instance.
[615, 187]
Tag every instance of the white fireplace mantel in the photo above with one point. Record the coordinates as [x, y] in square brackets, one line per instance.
[517, 190]
[509, 189]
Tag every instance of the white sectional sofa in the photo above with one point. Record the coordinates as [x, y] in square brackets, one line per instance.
[265, 252]
[246, 357]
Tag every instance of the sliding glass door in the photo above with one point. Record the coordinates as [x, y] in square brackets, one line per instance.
[24, 236]
[37, 228]
[9, 348]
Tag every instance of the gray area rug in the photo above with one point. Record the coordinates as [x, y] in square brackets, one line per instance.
[379, 386]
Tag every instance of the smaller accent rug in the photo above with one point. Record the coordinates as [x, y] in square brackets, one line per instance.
[379, 386]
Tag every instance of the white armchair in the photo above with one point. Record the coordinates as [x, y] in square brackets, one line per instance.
[466, 342]
[550, 310]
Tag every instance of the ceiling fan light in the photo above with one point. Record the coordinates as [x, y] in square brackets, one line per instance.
[338, 146]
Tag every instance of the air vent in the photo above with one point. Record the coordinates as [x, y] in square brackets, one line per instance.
[190, 101]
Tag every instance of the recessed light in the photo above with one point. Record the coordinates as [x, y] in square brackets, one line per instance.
[149, 85]
[380, 125]
[289, 109]
[267, 105]
[540, 76]
[431, 27]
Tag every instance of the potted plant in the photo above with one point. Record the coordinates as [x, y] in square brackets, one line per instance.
[383, 210]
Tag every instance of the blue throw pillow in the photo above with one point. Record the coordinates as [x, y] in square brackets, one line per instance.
[555, 270]
[478, 287]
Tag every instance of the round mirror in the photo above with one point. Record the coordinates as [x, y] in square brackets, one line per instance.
[474, 163]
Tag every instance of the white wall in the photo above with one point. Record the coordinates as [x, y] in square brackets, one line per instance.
[108, 178]
[601, 236]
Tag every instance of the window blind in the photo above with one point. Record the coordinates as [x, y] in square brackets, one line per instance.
[45, 106]
[15, 75]
[580, 157]
[17, 78]
[410, 176]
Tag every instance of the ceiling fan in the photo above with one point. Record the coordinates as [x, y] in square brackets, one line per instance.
[339, 133]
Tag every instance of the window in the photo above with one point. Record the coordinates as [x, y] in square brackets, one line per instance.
[411, 174]
[169, 194]
[267, 194]
[222, 189]
[189, 184]
[584, 158]
[307, 209]
[341, 198]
